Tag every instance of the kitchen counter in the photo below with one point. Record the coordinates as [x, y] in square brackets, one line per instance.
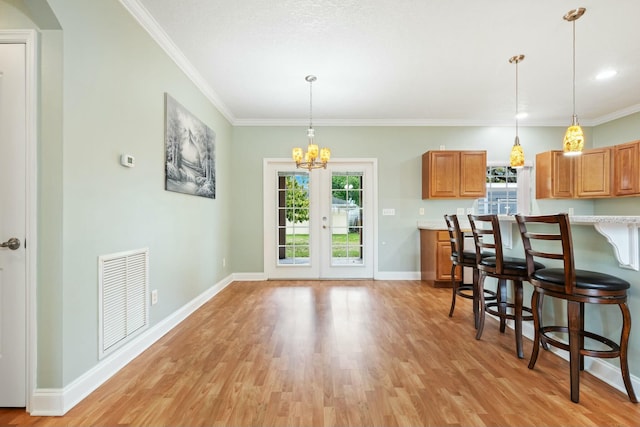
[621, 231]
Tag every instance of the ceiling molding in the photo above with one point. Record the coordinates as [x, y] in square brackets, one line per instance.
[615, 115]
[144, 18]
[390, 122]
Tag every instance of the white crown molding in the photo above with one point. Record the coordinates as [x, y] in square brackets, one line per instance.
[144, 18]
[615, 115]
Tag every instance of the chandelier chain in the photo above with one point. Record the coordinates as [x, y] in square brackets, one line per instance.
[517, 61]
[574, 67]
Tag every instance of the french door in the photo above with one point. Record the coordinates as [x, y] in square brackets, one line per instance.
[319, 224]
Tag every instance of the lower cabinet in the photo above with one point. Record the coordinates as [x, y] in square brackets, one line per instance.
[435, 258]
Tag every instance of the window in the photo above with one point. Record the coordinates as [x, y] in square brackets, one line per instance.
[507, 191]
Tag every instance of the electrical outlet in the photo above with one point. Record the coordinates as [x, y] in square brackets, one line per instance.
[421, 211]
[224, 262]
[154, 297]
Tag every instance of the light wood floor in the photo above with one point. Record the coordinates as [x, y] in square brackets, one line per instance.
[330, 353]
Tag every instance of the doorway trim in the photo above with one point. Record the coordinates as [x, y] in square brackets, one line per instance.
[374, 203]
[30, 39]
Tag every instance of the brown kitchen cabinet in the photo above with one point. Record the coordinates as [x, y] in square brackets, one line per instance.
[435, 258]
[554, 175]
[593, 173]
[626, 169]
[448, 174]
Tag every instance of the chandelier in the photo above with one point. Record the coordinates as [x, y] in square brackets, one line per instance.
[574, 137]
[516, 159]
[310, 159]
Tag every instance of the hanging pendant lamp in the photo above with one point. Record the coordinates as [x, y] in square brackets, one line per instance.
[516, 159]
[573, 143]
[310, 160]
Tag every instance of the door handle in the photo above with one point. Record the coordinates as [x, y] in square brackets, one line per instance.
[12, 244]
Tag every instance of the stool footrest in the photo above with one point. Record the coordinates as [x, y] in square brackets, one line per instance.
[545, 337]
[491, 309]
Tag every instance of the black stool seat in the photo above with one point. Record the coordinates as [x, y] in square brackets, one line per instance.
[585, 279]
[510, 263]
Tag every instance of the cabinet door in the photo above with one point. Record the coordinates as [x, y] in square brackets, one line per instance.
[442, 174]
[593, 173]
[554, 175]
[473, 174]
[443, 261]
[626, 166]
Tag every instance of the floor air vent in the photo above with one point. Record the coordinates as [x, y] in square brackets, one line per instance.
[124, 303]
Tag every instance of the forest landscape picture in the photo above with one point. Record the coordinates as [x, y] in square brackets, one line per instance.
[190, 152]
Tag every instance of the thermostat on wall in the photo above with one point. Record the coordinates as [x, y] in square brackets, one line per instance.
[127, 160]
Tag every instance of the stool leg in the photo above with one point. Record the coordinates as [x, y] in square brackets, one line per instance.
[517, 288]
[502, 303]
[573, 314]
[536, 310]
[480, 305]
[476, 301]
[454, 288]
[581, 335]
[624, 343]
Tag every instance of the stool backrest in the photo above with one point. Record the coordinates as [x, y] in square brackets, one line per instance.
[551, 240]
[455, 237]
[487, 238]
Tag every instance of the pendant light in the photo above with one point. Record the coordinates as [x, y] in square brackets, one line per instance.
[574, 137]
[309, 160]
[516, 159]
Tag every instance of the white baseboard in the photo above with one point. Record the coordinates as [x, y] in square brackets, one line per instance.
[56, 402]
[249, 277]
[397, 275]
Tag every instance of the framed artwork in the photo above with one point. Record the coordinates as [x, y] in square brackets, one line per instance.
[190, 165]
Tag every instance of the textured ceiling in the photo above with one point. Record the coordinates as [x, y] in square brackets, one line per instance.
[403, 61]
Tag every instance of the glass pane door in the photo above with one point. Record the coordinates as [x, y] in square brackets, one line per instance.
[346, 218]
[293, 218]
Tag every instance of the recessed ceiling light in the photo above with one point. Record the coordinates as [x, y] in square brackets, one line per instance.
[606, 74]
[521, 115]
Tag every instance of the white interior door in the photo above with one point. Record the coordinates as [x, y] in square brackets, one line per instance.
[319, 224]
[12, 225]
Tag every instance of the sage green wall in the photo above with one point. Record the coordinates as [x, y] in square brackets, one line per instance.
[103, 81]
[115, 78]
[398, 151]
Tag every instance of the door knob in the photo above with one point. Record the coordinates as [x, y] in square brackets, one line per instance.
[12, 244]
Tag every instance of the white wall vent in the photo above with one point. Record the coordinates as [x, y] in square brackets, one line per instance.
[123, 294]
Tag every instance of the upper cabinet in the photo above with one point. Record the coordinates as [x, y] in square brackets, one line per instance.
[600, 172]
[554, 175]
[593, 173]
[626, 167]
[450, 174]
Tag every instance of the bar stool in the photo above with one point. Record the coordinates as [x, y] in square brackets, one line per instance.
[577, 287]
[462, 258]
[487, 236]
